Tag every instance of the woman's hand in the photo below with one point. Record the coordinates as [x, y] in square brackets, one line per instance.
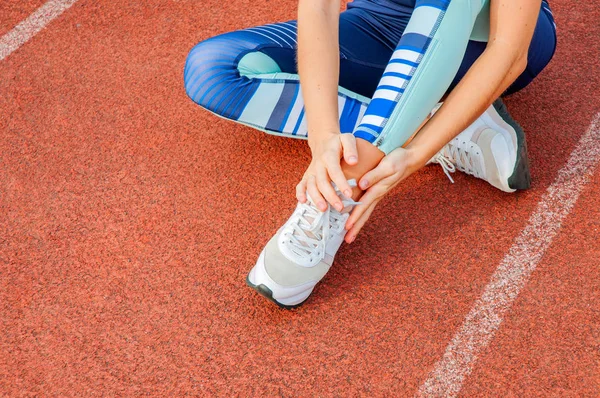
[327, 152]
[318, 68]
[392, 169]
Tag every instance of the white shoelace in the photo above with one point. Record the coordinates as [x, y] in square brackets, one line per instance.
[465, 157]
[311, 228]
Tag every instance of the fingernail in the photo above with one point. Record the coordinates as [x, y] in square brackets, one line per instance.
[364, 184]
[351, 239]
[352, 159]
[339, 206]
[348, 193]
[322, 205]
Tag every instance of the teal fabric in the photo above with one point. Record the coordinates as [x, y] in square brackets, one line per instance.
[434, 74]
[256, 63]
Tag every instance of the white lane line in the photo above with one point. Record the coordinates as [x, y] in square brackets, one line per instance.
[30, 26]
[485, 317]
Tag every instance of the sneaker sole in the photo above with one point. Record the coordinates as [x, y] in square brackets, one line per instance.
[285, 297]
[268, 294]
[521, 177]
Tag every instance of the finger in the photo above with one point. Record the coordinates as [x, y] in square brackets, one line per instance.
[313, 192]
[334, 170]
[301, 191]
[384, 169]
[372, 195]
[349, 145]
[326, 189]
[353, 233]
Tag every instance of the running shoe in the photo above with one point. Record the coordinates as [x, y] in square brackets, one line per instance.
[493, 148]
[300, 253]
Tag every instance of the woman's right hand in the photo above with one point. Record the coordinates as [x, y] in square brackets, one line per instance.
[327, 151]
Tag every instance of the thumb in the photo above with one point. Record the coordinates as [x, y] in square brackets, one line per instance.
[384, 169]
[349, 146]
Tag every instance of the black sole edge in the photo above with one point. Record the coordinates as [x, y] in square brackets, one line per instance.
[521, 177]
[268, 294]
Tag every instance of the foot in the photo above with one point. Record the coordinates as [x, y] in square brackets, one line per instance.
[493, 148]
[301, 253]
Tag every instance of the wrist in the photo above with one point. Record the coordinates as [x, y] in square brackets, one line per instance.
[317, 137]
[414, 159]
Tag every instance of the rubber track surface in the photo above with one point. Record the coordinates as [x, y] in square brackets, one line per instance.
[129, 219]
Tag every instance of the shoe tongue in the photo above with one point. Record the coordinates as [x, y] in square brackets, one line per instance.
[307, 222]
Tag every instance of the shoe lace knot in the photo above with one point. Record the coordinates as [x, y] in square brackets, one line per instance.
[462, 155]
[309, 229]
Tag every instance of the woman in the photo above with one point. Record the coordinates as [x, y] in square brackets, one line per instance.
[371, 78]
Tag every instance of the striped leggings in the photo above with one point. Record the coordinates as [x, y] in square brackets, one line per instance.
[392, 73]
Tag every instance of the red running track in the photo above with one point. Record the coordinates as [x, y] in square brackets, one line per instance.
[14, 11]
[129, 219]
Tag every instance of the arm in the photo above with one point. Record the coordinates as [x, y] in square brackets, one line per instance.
[319, 64]
[505, 58]
[318, 67]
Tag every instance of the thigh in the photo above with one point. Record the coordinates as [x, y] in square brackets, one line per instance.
[366, 45]
[541, 51]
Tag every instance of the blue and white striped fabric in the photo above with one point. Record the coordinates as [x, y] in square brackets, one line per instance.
[254, 91]
[546, 8]
[407, 57]
[238, 75]
[277, 106]
[211, 74]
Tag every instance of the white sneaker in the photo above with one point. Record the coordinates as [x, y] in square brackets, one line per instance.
[300, 253]
[493, 148]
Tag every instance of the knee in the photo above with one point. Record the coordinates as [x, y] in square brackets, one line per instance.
[209, 68]
[219, 66]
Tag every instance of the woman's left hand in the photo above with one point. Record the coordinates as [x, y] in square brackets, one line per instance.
[392, 169]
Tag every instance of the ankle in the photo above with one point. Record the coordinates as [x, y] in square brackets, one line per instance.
[353, 173]
[369, 157]
[357, 193]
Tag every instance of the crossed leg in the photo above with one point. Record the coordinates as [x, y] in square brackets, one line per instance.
[250, 77]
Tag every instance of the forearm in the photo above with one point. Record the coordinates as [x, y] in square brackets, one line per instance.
[505, 58]
[318, 65]
[488, 78]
